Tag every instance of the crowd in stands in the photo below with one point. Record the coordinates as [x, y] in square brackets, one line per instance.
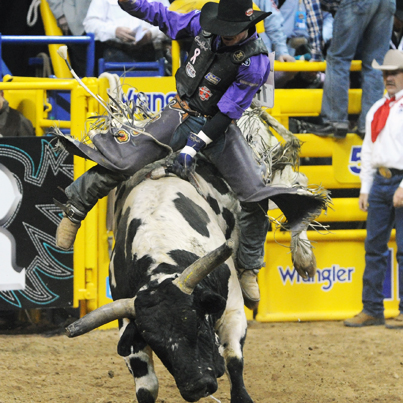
[296, 30]
[335, 31]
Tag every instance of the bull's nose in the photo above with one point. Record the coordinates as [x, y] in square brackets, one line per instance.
[204, 387]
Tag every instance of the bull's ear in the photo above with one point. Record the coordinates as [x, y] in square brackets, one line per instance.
[212, 302]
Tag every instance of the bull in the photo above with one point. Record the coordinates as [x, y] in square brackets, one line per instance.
[172, 273]
[173, 278]
[174, 284]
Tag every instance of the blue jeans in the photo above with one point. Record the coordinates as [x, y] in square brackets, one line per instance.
[382, 216]
[367, 23]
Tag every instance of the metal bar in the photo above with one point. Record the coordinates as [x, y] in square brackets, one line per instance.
[88, 40]
[62, 124]
[89, 70]
[31, 85]
[129, 65]
[310, 66]
[344, 209]
[175, 57]
[44, 39]
[1, 57]
[324, 175]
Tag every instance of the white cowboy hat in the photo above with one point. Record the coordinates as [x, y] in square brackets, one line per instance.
[393, 61]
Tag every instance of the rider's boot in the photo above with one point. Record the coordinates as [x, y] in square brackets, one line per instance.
[68, 226]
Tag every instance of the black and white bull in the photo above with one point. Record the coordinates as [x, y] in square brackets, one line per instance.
[175, 286]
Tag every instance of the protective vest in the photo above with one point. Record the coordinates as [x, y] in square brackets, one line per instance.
[203, 79]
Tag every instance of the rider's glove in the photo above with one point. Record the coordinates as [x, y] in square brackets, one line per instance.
[185, 159]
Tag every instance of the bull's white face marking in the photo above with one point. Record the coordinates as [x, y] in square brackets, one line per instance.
[149, 381]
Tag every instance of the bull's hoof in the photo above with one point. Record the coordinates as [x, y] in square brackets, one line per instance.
[241, 396]
[144, 396]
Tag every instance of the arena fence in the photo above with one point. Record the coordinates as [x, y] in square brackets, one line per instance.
[334, 293]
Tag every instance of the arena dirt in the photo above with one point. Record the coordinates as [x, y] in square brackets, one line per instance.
[311, 362]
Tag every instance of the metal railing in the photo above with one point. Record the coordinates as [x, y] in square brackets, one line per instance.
[43, 39]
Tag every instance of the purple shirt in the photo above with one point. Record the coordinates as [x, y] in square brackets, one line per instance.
[251, 76]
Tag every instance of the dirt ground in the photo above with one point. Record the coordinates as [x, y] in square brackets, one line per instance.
[315, 362]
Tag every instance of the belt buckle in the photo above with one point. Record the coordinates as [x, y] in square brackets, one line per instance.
[385, 172]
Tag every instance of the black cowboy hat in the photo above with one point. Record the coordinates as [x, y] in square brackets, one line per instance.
[230, 17]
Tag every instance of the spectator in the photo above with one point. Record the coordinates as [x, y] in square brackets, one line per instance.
[279, 30]
[358, 25]
[305, 36]
[70, 16]
[314, 25]
[381, 192]
[124, 38]
[296, 26]
[397, 33]
[275, 39]
[13, 122]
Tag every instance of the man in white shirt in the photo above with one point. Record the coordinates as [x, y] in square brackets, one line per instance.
[124, 38]
[381, 192]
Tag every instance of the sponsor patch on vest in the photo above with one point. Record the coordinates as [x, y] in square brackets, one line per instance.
[248, 83]
[249, 12]
[204, 93]
[238, 56]
[201, 43]
[190, 70]
[212, 78]
[246, 62]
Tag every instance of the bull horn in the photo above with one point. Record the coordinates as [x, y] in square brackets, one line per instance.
[122, 308]
[201, 268]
